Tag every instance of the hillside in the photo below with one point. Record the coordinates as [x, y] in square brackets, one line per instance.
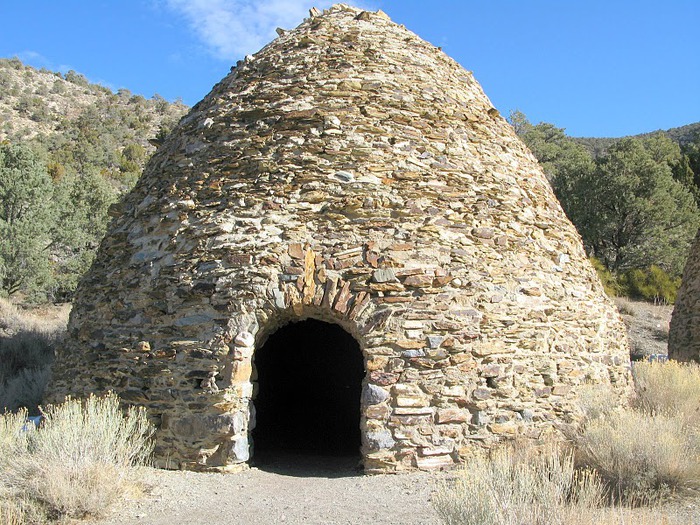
[68, 150]
[44, 107]
[597, 146]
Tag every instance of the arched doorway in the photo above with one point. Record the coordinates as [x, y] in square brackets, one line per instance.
[309, 377]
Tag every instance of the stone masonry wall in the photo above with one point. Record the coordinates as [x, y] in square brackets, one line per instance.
[353, 173]
[684, 334]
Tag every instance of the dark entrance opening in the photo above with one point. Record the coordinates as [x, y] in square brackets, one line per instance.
[309, 377]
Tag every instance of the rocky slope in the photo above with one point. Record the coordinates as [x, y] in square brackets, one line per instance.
[39, 103]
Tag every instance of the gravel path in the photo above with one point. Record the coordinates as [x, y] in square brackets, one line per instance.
[327, 492]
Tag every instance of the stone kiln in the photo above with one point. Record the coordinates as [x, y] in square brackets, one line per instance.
[684, 333]
[351, 174]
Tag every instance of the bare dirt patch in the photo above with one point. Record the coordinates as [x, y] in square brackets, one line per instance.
[316, 491]
[647, 326]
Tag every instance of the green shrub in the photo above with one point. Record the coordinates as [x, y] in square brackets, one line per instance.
[609, 280]
[651, 284]
[80, 459]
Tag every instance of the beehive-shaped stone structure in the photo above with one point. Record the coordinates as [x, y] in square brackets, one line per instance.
[352, 174]
[684, 333]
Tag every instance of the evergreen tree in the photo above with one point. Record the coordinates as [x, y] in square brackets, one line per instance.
[26, 216]
[691, 152]
[632, 213]
[634, 206]
[82, 202]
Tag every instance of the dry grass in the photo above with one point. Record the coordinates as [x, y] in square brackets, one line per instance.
[510, 488]
[515, 488]
[652, 451]
[47, 321]
[670, 388]
[597, 400]
[643, 458]
[79, 462]
[11, 513]
[27, 344]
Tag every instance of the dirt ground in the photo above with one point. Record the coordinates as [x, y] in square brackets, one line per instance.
[319, 491]
[647, 326]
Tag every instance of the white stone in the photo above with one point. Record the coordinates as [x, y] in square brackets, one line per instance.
[244, 339]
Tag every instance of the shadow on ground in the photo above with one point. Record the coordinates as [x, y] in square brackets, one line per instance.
[301, 465]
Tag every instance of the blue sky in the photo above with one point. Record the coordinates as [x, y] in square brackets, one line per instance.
[594, 67]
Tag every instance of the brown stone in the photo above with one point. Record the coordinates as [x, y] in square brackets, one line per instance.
[452, 415]
[419, 281]
[434, 462]
[481, 394]
[410, 344]
[377, 412]
[343, 298]
[561, 390]
[383, 378]
[309, 271]
[508, 428]
[296, 250]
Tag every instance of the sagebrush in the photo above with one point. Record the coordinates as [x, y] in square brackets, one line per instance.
[78, 462]
[512, 488]
[650, 451]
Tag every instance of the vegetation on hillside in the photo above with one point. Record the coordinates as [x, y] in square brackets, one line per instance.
[683, 135]
[68, 150]
[635, 204]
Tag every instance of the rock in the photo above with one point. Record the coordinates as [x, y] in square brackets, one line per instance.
[344, 176]
[483, 233]
[379, 439]
[481, 394]
[241, 449]
[434, 341]
[434, 462]
[373, 395]
[509, 428]
[452, 415]
[244, 339]
[684, 334]
[411, 401]
[384, 275]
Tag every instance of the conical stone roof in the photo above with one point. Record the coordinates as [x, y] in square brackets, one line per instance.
[684, 333]
[349, 172]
